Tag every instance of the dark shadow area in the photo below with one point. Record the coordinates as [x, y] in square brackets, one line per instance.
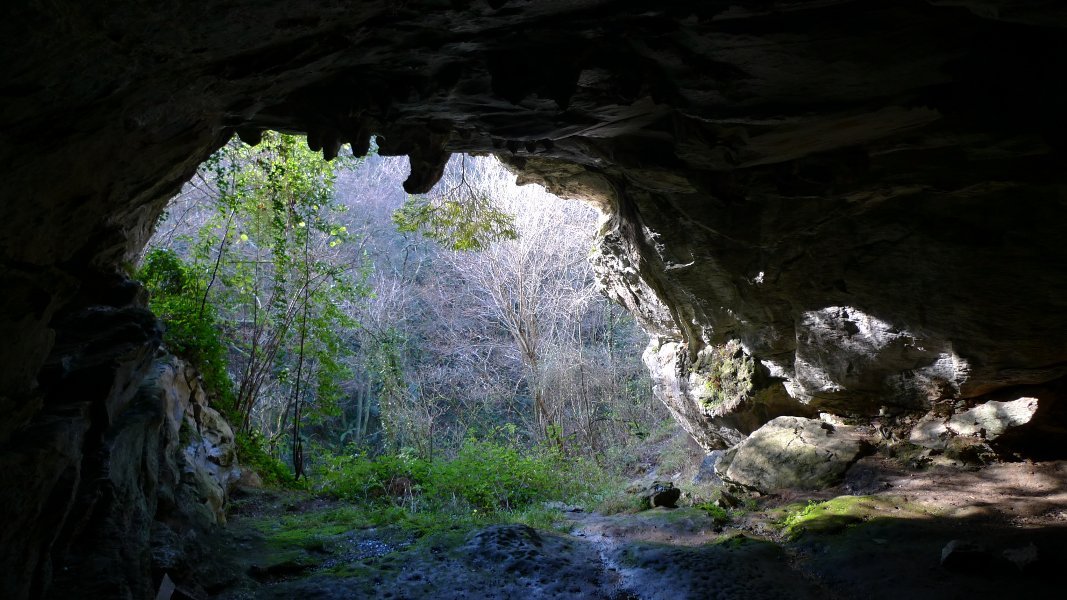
[655, 554]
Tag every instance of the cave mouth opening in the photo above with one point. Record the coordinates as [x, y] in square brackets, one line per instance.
[441, 357]
[919, 181]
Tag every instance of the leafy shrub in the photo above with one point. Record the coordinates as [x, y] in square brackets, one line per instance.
[486, 476]
[470, 223]
[490, 475]
[252, 454]
[717, 513]
[357, 477]
[192, 329]
[622, 502]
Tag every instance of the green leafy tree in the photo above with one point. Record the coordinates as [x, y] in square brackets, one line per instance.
[271, 266]
[461, 216]
[192, 330]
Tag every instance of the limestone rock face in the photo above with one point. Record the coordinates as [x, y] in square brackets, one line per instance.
[197, 434]
[171, 461]
[80, 478]
[718, 397]
[865, 197]
[794, 452]
[99, 477]
[1013, 424]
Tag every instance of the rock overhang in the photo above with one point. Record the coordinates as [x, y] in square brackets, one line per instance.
[760, 162]
[866, 197]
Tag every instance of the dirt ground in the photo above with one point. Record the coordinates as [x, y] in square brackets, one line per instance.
[881, 534]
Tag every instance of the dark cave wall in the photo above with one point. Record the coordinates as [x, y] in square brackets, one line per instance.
[867, 195]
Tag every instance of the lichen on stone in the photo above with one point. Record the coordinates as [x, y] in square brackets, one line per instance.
[725, 372]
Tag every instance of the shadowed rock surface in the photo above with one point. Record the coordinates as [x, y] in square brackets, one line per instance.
[865, 198]
[793, 452]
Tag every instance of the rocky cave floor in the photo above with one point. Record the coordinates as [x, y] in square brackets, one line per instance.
[881, 534]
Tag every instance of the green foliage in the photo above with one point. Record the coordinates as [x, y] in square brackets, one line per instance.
[191, 329]
[386, 361]
[801, 513]
[486, 476]
[489, 476]
[265, 267]
[728, 372]
[718, 514]
[359, 478]
[252, 455]
[274, 243]
[470, 224]
[622, 501]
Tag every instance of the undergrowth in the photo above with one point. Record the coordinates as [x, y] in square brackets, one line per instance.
[717, 513]
[411, 500]
[253, 455]
[192, 325]
[487, 481]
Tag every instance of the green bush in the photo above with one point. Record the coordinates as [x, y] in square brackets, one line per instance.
[486, 476]
[357, 477]
[718, 514]
[489, 476]
[192, 329]
[251, 454]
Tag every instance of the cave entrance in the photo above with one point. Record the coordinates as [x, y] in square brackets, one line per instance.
[444, 354]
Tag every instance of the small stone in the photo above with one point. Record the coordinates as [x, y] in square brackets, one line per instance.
[831, 419]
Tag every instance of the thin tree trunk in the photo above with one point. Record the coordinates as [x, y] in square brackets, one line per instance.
[218, 261]
[298, 446]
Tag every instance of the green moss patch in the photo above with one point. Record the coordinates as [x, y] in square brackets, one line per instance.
[831, 516]
[727, 372]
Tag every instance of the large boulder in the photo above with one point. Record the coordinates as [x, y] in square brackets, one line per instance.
[993, 419]
[794, 452]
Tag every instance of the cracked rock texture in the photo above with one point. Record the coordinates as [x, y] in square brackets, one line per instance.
[866, 197]
[794, 452]
[160, 482]
[199, 440]
[992, 419]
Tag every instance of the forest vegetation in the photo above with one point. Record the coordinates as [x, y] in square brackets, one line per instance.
[447, 352]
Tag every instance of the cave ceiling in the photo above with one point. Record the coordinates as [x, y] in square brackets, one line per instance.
[868, 195]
